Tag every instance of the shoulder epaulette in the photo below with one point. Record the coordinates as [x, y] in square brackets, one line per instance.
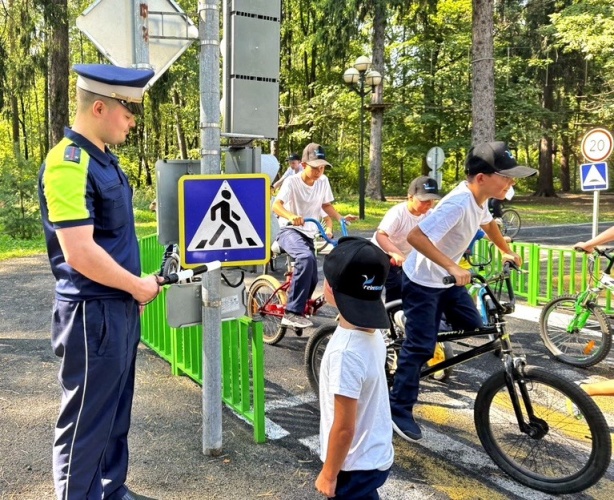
[72, 153]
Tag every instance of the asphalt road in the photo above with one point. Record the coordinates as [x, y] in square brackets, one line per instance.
[559, 235]
[166, 459]
[449, 462]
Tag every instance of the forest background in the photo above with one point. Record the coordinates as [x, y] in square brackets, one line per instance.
[553, 81]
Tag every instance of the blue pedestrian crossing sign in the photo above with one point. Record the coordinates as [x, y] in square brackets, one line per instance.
[225, 218]
[594, 176]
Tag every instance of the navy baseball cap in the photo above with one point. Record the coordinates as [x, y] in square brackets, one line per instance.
[495, 158]
[424, 188]
[293, 156]
[356, 270]
[125, 85]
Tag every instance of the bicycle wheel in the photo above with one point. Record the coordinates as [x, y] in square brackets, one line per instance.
[316, 345]
[574, 345]
[567, 447]
[265, 300]
[171, 265]
[511, 222]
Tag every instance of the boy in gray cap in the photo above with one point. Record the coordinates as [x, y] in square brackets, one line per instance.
[86, 207]
[355, 425]
[392, 231]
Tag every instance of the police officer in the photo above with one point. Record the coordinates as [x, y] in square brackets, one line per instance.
[86, 206]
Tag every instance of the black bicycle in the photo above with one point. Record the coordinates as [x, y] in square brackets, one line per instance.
[537, 426]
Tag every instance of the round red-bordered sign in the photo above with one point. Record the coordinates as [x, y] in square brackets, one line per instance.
[597, 144]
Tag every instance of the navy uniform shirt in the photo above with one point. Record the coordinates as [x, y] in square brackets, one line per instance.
[78, 185]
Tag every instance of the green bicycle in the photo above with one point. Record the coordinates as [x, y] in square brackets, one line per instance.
[574, 328]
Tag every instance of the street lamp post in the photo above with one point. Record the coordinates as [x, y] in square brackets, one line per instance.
[356, 77]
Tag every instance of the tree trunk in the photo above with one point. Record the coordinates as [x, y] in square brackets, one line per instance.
[483, 81]
[13, 87]
[58, 69]
[545, 182]
[565, 156]
[183, 149]
[374, 183]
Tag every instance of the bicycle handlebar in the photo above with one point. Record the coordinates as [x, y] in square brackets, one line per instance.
[344, 229]
[189, 273]
[476, 278]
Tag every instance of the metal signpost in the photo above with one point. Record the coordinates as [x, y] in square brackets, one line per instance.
[596, 147]
[434, 159]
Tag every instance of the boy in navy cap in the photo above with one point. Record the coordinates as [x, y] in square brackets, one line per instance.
[355, 424]
[439, 242]
[294, 167]
[86, 207]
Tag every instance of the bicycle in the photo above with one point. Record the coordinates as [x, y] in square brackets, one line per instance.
[267, 297]
[509, 221]
[574, 328]
[521, 412]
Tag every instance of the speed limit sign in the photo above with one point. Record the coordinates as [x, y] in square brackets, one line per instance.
[597, 144]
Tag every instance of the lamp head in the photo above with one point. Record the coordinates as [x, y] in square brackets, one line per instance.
[373, 78]
[351, 76]
[362, 64]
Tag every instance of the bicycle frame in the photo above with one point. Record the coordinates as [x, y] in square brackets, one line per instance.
[591, 294]
[497, 310]
[312, 305]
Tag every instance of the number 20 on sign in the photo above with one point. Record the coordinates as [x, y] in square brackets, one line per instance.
[597, 144]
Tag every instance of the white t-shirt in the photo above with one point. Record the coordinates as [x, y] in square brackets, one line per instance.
[450, 226]
[304, 200]
[290, 172]
[353, 366]
[397, 223]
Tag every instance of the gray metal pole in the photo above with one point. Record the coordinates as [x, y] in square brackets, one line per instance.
[140, 18]
[209, 35]
[209, 63]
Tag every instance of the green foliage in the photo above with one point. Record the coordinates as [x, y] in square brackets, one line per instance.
[19, 209]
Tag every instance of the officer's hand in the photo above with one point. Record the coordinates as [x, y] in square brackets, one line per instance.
[148, 289]
[329, 233]
[351, 218]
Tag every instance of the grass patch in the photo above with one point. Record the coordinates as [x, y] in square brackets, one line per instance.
[567, 209]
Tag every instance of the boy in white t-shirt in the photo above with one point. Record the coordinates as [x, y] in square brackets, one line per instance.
[391, 234]
[439, 242]
[304, 196]
[294, 167]
[355, 425]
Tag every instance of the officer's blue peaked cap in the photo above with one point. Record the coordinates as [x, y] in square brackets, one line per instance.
[123, 84]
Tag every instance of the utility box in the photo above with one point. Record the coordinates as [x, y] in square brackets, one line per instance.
[251, 67]
[168, 173]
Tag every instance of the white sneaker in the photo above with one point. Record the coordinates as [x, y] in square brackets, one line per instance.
[296, 321]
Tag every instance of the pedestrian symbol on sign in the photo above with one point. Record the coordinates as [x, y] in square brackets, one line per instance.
[225, 225]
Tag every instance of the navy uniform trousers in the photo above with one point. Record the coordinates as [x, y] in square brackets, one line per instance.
[97, 341]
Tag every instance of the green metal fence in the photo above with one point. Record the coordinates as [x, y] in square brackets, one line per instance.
[551, 272]
[242, 349]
